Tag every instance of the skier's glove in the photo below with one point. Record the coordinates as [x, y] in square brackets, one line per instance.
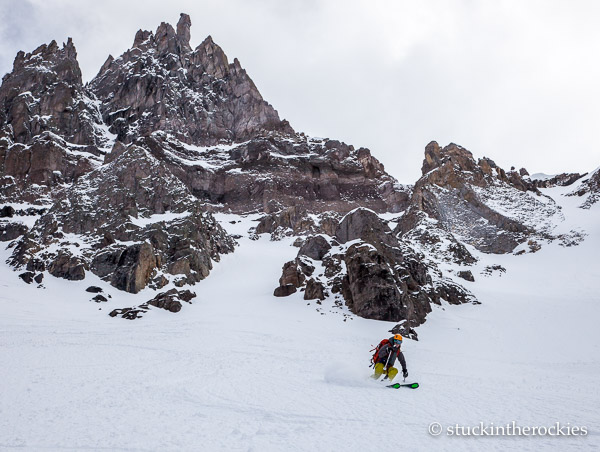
[405, 373]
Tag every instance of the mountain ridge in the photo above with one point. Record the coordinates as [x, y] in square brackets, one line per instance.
[131, 166]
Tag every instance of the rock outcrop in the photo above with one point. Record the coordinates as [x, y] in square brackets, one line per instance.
[560, 180]
[477, 202]
[44, 92]
[274, 172]
[130, 221]
[590, 188]
[377, 275]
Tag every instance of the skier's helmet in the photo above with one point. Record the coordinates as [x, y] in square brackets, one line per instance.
[397, 339]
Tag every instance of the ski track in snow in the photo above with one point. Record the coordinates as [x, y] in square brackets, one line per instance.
[241, 370]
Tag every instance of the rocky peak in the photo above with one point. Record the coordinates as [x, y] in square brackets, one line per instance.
[195, 95]
[166, 39]
[141, 37]
[211, 58]
[479, 202]
[44, 92]
[452, 155]
[51, 130]
[183, 32]
[57, 63]
[453, 165]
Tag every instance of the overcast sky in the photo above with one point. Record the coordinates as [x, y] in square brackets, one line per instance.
[516, 81]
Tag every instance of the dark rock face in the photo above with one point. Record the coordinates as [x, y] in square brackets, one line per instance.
[171, 300]
[135, 267]
[197, 95]
[170, 99]
[292, 220]
[7, 212]
[30, 171]
[94, 289]
[283, 175]
[27, 277]
[365, 225]
[292, 275]
[134, 163]
[369, 287]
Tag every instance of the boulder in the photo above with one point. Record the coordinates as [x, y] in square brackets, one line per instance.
[467, 275]
[167, 300]
[366, 225]
[315, 247]
[11, 230]
[68, 267]
[94, 289]
[292, 275]
[27, 277]
[170, 300]
[129, 313]
[7, 212]
[315, 290]
[369, 287]
[285, 290]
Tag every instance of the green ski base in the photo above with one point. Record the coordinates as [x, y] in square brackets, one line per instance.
[403, 385]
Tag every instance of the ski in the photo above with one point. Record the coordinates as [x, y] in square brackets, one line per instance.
[403, 385]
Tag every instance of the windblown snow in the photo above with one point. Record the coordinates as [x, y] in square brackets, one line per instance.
[239, 369]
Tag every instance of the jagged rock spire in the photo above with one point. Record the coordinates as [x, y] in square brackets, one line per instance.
[196, 95]
[44, 92]
[183, 32]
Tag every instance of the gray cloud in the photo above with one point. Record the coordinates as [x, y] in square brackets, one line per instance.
[512, 80]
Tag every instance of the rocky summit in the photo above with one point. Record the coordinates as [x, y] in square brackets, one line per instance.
[195, 95]
[123, 178]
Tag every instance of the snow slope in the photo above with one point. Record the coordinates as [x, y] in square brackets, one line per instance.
[242, 370]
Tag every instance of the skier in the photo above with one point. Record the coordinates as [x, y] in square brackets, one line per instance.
[385, 357]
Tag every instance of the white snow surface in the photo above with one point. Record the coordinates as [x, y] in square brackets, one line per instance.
[157, 218]
[241, 370]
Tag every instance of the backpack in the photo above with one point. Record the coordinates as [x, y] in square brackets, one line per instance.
[375, 356]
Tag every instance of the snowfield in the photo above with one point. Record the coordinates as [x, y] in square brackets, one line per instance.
[241, 370]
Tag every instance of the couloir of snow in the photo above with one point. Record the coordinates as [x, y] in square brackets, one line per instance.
[242, 370]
